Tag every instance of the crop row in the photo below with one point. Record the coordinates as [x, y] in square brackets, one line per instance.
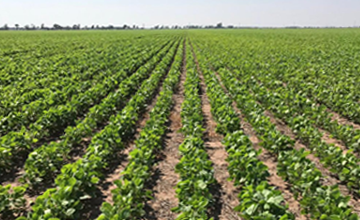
[30, 106]
[47, 160]
[296, 98]
[195, 169]
[29, 74]
[319, 201]
[305, 93]
[77, 181]
[291, 103]
[131, 194]
[329, 90]
[323, 71]
[346, 166]
[37, 67]
[258, 200]
[54, 120]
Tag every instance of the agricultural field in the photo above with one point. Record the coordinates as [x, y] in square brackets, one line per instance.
[180, 124]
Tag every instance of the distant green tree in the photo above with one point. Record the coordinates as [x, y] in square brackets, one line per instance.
[57, 27]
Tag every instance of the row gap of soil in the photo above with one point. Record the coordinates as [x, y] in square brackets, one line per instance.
[342, 120]
[164, 180]
[224, 192]
[337, 118]
[328, 139]
[329, 177]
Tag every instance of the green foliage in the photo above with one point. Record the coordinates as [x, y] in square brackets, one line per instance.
[255, 91]
[76, 181]
[12, 200]
[195, 169]
[130, 195]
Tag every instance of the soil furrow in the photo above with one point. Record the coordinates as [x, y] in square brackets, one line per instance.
[342, 120]
[270, 161]
[334, 115]
[216, 150]
[164, 196]
[225, 193]
[327, 138]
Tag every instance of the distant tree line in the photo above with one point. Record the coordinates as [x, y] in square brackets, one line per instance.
[134, 27]
[109, 27]
[73, 27]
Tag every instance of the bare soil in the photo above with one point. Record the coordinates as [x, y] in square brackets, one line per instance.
[164, 196]
[327, 138]
[342, 120]
[227, 192]
[224, 192]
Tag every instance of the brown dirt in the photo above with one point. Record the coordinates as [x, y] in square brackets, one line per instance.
[330, 140]
[335, 117]
[327, 138]
[270, 161]
[225, 193]
[13, 180]
[164, 196]
[342, 120]
[28, 196]
[104, 188]
[228, 192]
[329, 178]
[108, 184]
[280, 125]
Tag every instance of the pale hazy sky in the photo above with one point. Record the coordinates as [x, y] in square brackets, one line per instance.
[183, 12]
